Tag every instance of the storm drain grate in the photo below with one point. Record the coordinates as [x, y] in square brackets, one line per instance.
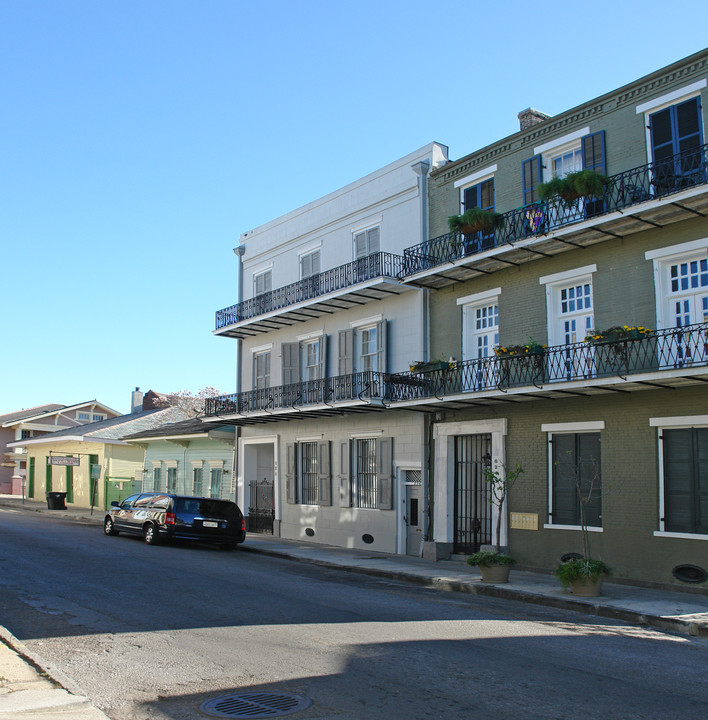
[255, 705]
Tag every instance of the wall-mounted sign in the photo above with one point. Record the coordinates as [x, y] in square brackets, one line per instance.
[523, 521]
[60, 460]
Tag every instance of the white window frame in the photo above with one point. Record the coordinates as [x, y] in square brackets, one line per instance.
[554, 284]
[316, 250]
[477, 178]
[261, 272]
[679, 422]
[261, 351]
[470, 305]
[662, 259]
[86, 417]
[560, 146]
[365, 229]
[98, 418]
[552, 429]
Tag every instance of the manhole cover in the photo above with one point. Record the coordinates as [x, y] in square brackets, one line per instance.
[255, 705]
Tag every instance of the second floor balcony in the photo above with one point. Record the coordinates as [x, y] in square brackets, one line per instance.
[671, 358]
[649, 196]
[365, 280]
[661, 359]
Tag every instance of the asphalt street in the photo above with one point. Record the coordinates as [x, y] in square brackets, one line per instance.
[154, 632]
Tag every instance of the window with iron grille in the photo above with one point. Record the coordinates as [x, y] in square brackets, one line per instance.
[308, 475]
[366, 488]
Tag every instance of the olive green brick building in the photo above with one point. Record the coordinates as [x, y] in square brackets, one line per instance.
[574, 335]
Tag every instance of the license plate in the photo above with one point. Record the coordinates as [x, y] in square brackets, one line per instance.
[210, 523]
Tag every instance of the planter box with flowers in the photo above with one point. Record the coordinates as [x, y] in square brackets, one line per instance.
[521, 364]
[440, 376]
[618, 349]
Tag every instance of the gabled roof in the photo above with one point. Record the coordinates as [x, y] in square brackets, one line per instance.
[191, 427]
[43, 411]
[29, 412]
[112, 430]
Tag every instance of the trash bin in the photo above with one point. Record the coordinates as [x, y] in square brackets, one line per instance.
[55, 500]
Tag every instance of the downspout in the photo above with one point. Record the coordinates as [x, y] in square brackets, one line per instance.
[421, 169]
[239, 252]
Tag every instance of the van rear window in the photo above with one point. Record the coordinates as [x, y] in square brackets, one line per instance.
[207, 508]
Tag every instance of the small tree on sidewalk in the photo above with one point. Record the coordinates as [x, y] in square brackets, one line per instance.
[499, 481]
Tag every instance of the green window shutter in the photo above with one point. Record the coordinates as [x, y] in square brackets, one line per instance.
[345, 477]
[346, 352]
[69, 484]
[290, 482]
[384, 472]
[93, 460]
[594, 152]
[30, 484]
[686, 480]
[48, 477]
[532, 174]
[381, 347]
[564, 507]
[290, 353]
[324, 475]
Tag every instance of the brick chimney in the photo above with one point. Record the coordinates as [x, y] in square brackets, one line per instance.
[530, 117]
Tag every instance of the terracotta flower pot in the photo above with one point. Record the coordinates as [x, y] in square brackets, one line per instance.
[497, 574]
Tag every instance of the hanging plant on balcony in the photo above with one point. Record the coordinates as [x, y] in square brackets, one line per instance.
[530, 348]
[475, 220]
[573, 186]
[617, 333]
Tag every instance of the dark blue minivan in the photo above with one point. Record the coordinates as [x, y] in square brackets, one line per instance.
[164, 516]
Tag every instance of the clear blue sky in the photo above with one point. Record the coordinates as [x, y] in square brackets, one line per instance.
[139, 139]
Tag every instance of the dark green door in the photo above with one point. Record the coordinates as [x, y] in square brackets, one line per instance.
[30, 485]
[48, 477]
[69, 484]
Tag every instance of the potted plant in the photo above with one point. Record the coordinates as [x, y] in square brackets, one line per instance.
[573, 186]
[583, 576]
[492, 563]
[476, 220]
[420, 366]
[530, 348]
[617, 333]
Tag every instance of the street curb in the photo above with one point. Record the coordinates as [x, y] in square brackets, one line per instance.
[675, 625]
[42, 666]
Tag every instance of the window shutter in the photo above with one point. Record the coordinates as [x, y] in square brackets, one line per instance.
[290, 353]
[384, 472]
[532, 170]
[678, 480]
[324, 476]
[322, 368]
[381, 346]
[588, 454]
[346, 352]
[360, 245]
[373, 237]
[565, 501]
[345, 478]
[263, 283]
[470, 197]
[291, 485]
[594, 152]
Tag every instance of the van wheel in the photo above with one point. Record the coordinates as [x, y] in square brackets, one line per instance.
[108, 527]
[150, 535]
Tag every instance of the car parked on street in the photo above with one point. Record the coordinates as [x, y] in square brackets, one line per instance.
[163, 516]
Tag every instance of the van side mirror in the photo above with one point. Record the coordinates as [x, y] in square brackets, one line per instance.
[115, 503]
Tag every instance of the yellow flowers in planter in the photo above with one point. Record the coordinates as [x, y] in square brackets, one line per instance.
[618, 333]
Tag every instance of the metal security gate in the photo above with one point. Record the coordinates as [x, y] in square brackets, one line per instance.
[261, 512]
[473, 517]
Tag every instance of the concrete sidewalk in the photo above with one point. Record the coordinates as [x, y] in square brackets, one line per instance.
[674, 611]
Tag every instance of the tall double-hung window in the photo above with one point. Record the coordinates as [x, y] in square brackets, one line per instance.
[307, 472]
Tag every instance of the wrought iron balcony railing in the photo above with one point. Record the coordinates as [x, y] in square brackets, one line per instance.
[372, 266]
[364, 386]
[648, 182]
[671, 349]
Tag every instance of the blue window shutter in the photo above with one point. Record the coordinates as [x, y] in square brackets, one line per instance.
[532, 174]
[594, 153]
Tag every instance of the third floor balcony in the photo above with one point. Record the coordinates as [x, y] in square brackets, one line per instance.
[362, 281]
[651, 196]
